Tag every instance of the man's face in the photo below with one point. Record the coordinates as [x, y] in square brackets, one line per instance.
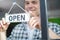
[33, 6]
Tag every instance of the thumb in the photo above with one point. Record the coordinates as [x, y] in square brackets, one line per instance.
[32, 14]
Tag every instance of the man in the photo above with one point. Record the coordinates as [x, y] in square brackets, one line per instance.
[30, 30]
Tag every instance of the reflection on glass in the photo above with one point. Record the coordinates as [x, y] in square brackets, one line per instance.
[53, 11]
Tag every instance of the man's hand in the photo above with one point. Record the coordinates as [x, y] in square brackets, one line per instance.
[3, 25]
[34, 22]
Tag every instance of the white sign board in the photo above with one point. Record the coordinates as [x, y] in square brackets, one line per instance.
[19, 17]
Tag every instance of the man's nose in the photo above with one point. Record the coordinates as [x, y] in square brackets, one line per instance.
[30, 6]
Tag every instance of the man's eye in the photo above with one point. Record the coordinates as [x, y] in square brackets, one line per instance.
[26, 3]
[34, 2]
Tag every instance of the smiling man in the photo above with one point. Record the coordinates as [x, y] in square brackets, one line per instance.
[32, 29]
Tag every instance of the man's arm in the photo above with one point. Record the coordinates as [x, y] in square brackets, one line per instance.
[3, 35]
[3, 27]
[53, 35]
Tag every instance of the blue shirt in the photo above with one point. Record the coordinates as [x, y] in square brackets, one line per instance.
[22, 32]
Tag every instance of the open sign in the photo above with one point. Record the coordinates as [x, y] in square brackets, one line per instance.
[19, 17]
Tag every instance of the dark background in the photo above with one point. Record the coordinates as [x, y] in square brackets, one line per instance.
[53, 4]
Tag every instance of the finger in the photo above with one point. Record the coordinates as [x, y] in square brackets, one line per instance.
[32, 23]
[4, 26]
[3, 21]
[34, 19]
[36, 24]
[31, 20]
[32, 14]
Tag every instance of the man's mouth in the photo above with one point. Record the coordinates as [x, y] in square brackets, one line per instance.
[31, 10]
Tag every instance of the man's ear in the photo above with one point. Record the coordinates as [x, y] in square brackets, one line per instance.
[53, 35]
